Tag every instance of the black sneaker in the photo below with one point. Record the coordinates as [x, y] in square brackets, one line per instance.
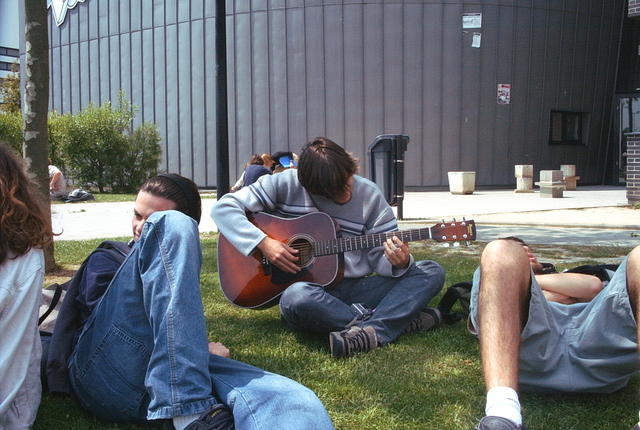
[218, 417]
[498, 423]
[355, 339]
[428, 319]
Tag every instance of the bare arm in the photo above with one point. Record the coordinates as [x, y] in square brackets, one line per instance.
[577, 286]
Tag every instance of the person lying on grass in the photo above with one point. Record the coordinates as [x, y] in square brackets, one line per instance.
[529, 341]
[142, 353]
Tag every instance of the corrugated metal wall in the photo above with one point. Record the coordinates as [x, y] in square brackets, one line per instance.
[351, 70]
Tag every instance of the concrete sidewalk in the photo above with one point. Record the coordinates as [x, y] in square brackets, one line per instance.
[598, 212]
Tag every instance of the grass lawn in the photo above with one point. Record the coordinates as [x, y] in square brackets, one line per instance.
[428, 380]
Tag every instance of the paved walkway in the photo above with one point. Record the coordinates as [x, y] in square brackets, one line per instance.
[591, 215]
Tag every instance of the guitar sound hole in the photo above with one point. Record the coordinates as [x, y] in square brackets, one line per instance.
[305, 248]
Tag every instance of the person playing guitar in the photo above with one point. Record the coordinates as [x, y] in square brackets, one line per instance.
[384, 291]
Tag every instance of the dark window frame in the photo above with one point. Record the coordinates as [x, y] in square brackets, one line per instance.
[566, 118]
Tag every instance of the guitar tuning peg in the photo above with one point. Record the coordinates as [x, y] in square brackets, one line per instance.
[454, 220]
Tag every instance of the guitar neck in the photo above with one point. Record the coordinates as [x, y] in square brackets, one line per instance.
[356, 243]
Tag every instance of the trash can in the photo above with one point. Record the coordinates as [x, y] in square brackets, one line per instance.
[387, 167]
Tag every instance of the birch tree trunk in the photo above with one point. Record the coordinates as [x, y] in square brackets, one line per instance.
[36, 102]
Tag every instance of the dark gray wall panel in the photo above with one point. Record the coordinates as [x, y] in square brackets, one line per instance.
[351, 70]
[184, 99]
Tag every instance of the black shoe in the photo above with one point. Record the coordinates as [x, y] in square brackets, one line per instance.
[218, 417]
[428, 319]
[498, 423]
[355, 339]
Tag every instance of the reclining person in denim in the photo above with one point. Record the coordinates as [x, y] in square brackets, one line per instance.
[571, 334]
[143, 352]
[384, 291]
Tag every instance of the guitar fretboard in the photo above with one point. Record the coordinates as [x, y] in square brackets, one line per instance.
[355, 243]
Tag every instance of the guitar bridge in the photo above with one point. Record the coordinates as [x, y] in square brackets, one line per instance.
[266, 266]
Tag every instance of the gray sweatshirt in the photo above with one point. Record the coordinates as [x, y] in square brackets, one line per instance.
[282, 194]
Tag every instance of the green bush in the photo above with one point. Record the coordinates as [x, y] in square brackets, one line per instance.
[100, 150]
[11, 130]
[58, 125]
[139, 161]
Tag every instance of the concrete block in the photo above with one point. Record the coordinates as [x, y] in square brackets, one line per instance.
[550, 175]
[524, 170]
[524, 185]
[568, 169]
[570, 182]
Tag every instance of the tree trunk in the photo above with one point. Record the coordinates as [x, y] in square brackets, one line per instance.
[36, 102]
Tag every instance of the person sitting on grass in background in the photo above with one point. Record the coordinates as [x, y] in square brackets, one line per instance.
[24, 231]
[528, 340]
[142, 353]
[257, 166]
[363, 311]
[57, 182]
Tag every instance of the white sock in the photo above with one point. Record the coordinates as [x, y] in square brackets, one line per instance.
[503, 402]
[181, 422]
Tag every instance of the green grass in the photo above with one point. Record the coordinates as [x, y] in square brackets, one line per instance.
[426, 380]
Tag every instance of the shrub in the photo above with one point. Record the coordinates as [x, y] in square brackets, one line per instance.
[58, 125]
[140, 160]
[11, 130]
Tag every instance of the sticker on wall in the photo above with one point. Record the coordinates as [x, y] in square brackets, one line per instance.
[504, 94]
[475, 42]
[60, 8]
[471, 20]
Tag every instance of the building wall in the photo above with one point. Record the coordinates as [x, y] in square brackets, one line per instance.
[9, 36]
[351, 70]
[634, 7]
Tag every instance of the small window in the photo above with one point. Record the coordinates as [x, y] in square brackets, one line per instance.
[566, 128]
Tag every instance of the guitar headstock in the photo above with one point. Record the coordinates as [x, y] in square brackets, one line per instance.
[454, 231]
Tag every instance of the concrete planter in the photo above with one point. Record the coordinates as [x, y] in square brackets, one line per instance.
[462, 182]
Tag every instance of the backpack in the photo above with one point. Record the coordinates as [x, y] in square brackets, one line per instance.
[78, 195]
[60, 319]
[460, 293]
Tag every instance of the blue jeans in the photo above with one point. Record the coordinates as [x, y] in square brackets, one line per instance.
[143, 353]
[394, 301]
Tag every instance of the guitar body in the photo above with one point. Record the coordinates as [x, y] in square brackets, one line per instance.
[251, 282]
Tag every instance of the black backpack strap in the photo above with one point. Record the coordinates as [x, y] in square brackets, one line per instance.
[457, 292]
[598, 270]
[54, 301]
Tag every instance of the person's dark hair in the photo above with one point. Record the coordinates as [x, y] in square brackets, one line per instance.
[324, 168]
[256, 159]
[515, 239]
[180, 190]
[24, 221]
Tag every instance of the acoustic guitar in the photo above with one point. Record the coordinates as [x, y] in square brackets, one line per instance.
[253, 282]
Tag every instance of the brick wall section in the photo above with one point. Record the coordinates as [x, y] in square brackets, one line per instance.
[633, 168]
[634, 8]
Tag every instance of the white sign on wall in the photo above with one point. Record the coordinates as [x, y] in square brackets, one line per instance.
[471, 20]
[60, 8]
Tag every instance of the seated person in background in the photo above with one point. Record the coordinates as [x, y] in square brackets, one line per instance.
[24, 231]
[539, 344]
[363, 311]
[57, 183]
[152, 314]
[284, 160]
[257, 166]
